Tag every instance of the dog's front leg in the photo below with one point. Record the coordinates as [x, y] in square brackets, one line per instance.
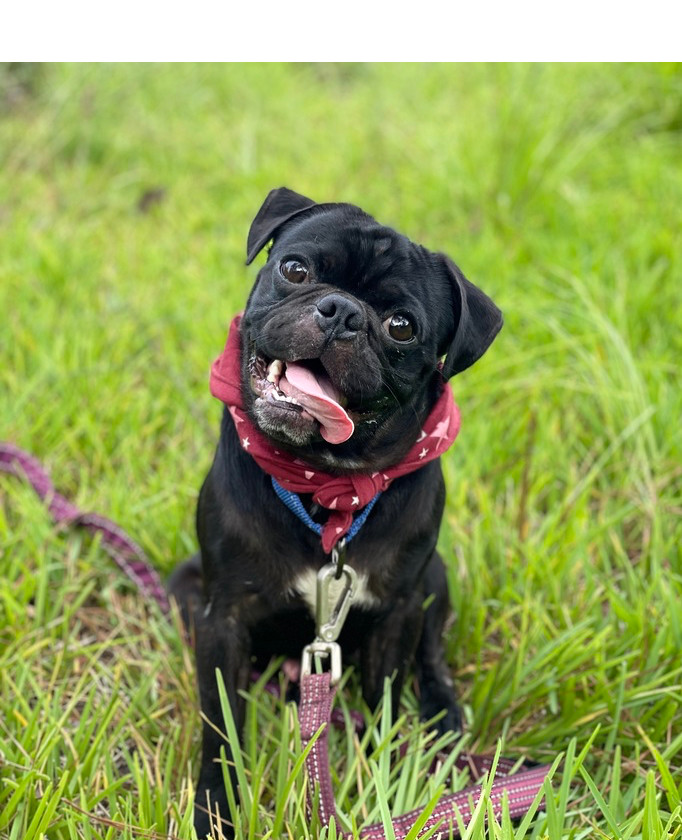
[389, 651]
[436, 688]
[223, 643]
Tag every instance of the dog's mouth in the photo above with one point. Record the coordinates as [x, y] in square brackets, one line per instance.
[302, 387]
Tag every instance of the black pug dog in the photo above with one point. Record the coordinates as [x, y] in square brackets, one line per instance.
[337, 397]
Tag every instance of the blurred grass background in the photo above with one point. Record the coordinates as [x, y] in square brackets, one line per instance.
[126, 192]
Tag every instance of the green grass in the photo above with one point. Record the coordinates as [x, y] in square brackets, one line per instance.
[558, 189]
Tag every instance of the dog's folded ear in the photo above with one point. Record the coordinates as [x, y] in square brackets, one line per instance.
[281, 205]
[476, 319]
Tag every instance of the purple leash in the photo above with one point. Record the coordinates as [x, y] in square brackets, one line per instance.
[317, 690]
[127, 555]
[317, 696]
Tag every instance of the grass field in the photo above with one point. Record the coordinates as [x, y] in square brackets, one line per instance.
[558, 189]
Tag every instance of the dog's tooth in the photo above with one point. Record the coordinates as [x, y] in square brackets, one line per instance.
[280, 397]
[275, 371]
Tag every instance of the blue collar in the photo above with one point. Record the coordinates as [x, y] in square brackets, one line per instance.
[295, 505]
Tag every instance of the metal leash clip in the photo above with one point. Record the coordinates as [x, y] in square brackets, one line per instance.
[329, 618]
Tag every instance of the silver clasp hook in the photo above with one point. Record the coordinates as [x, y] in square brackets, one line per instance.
[330, 618]
[330, 613]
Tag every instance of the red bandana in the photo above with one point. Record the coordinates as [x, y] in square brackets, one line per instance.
[342, 495]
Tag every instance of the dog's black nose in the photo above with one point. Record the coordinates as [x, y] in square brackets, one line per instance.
[339, 316]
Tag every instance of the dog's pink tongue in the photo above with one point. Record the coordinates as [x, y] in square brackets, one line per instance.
[319, 398]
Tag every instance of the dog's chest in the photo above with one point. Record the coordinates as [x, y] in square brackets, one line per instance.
[305, 587]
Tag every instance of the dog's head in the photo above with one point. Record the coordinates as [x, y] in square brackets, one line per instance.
[344, 330]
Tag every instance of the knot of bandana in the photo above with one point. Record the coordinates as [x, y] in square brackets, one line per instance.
[341, 495]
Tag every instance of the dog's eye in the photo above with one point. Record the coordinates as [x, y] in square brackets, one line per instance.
[293, 271]
[399, 327]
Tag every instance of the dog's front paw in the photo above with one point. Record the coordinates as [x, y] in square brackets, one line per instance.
[434, 700]
[210, 825]
[202, 824]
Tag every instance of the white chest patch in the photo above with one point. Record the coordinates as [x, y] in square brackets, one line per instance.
[305, 585]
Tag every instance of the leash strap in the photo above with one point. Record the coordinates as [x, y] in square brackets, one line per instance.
[314, 712]
[126, 553]
[317, 696]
